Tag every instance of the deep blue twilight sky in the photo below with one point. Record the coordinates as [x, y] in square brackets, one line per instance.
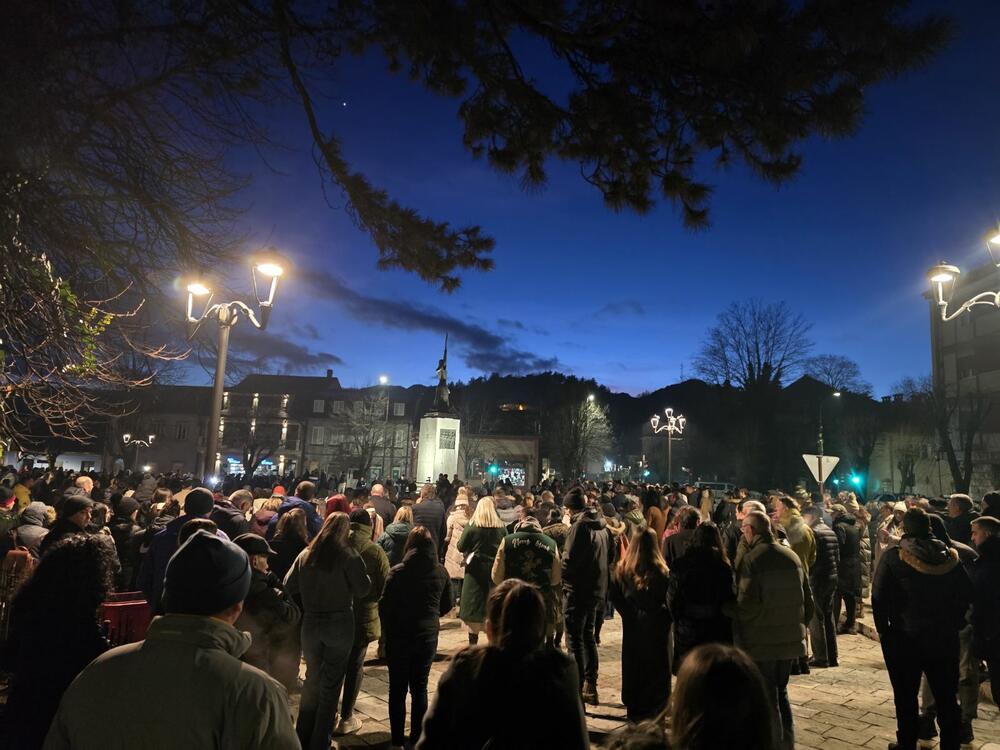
[626, 299]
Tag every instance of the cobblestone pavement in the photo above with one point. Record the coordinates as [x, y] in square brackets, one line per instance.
[849, 706]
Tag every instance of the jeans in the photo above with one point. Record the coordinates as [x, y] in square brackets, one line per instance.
[581, 637]
[905, 658]
[823, 627]
[352, 678]
[850, 602]
[326, 644]
[775, 675]
[968, 681]
[409, 667]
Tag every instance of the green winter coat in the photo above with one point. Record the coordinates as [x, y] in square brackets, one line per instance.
[366, 623]
[773, 602]
[212, 698]
[477, 583]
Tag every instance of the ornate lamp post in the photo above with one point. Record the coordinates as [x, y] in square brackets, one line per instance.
[227, 314]
[127, 439]
[943, 276]
[674, 425]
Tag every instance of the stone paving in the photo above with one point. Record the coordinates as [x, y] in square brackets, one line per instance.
[849, 706]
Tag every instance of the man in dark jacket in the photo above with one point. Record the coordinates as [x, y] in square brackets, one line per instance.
[675, 545]
[920, 597]
[382, 505]
[823, 576]
[304, 493]
[772, 608]
[230, 518]
[585, 585]
[529, 555]
[32, 529]
[430, 513]
[128, 538]
[197, 504]
[960, 518]
[74, 517]
[845, 526]
[986, 606]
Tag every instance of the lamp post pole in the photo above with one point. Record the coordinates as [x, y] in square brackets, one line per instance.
[674, 425]
[227, 315]
[384, 382]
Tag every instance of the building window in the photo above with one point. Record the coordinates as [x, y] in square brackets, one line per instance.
[181, 433]
[338, 407]
[157, 429]
[398, 409]
[401, 437]
[317, 436]
[447, 440]
[318, 405]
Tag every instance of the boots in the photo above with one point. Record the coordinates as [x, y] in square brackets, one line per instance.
[473, 639]
[589, 693]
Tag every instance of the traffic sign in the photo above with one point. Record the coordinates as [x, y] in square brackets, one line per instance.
[820, 466]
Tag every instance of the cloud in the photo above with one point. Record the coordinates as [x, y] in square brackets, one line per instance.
[304, 331]
[481, 349]
[517, 325]
[625, 307]
[268, 351]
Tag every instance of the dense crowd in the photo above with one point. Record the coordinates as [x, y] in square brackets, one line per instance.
[722, 598]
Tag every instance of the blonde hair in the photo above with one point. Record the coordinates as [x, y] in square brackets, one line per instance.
[486, 516]
[403, 515]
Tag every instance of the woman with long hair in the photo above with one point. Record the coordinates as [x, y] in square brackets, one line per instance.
[290, 537]
[417, 593]
[720, 701]
[655, 518]
[701, 584]
[639, 593]
[454, 560]
[478, 543]
[324, 580]
[54, 632]
[517, 662]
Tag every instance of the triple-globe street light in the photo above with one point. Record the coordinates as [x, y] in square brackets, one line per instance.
[269, 265]
[129, 439]
[674, 425]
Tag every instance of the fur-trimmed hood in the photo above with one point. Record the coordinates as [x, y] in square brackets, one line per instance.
[928, 556]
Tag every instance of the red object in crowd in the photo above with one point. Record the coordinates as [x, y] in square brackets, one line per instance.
[126, 617]
[338, 504]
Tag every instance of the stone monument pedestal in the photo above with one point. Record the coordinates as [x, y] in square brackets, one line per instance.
[437, 452]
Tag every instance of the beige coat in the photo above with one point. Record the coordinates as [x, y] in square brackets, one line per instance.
[453, 559]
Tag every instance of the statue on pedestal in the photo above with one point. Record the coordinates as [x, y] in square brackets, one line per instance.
[442, 396]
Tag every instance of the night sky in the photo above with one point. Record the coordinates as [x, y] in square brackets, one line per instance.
[626, 299]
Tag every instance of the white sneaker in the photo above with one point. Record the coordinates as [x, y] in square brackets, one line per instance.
[348, 726]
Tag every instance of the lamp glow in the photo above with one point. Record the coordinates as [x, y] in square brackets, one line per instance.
[198, 289]
[995, 239]
[270, 269]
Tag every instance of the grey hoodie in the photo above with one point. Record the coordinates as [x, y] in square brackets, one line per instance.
[32, 529]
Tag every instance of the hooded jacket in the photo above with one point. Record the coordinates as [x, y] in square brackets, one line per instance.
[366, 622]
[393, 540]
[32, 529]
[194, 660]
[588, 556]
[800, 536]
[921, 589]
[229, 518]
[529, 555]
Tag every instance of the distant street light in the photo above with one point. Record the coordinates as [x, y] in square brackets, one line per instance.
[128, 439]
[944, 276]
[673, 426]
[227, 314]
[590, 397]
[822, 403]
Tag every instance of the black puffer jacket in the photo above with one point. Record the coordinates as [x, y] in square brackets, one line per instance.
[825, 570]
[849, 537]
[921, 589]
[986, 609]
[701, 584]
[230, 519]
[417, 594]
[128, 539]
[588, 555]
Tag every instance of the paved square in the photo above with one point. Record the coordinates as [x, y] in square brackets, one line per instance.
[846, 707]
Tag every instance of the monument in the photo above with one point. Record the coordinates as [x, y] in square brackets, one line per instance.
[437, 451]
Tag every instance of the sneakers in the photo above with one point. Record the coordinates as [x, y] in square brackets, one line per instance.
[349, 725]
[589, 693]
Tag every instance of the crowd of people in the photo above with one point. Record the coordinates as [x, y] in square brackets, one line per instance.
[721, 598]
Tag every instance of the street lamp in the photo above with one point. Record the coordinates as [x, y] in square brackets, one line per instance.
[268, 265]
[822, 403]
[673, 426]
[943, 278]
[128, 439]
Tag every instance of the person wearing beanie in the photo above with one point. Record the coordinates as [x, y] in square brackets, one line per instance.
[191, 654]
[74, 517]
[269, 616]
[590, 551]
[31, 530]
[920, 598]
[366, 621]
[197, 504]
[128, 540]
